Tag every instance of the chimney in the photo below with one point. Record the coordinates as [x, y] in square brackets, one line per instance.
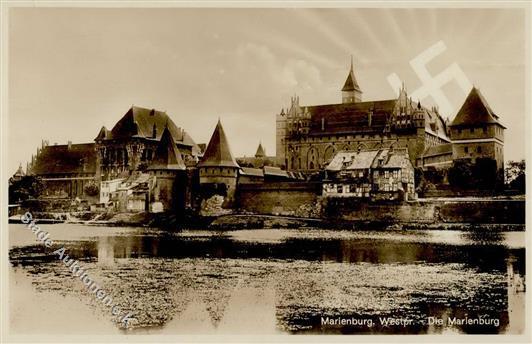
[69, 144]
[370, 115]
[322, 123]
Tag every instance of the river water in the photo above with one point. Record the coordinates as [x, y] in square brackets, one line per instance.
[269, 281]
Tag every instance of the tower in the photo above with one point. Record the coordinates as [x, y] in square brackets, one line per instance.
[169, 171]
[351, 92]
[260, 154]
[218, 169]
[280, 138]
[476, 131]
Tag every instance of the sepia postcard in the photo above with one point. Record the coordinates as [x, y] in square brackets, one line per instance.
[264, 171]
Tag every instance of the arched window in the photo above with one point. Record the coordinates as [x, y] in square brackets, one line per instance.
[329, 154]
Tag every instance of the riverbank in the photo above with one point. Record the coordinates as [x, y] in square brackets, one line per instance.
[171, 222]
[340, 213]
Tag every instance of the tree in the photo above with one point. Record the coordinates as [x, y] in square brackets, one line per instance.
[91, 189]
[485, 173]
[461, 174]
[514, 175]
[28, 187]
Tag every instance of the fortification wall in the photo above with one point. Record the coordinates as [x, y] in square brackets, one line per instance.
[304, 200]
[289, 199]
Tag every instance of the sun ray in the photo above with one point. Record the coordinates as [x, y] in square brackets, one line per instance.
[326, 28]
[288, 44]
[398, 32]
[358, 19]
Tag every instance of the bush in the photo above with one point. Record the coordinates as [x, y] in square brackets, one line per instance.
[461, 174]
[482, 175]
[28, 187]
[514, 175]
[91, 189]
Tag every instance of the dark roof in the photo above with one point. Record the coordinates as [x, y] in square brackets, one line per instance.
[142, 122]
[167, 155]
[353, 160]
[218, 152]
[19, 172]
[255, 172]
[446, 148]
[351, 83]
[349, 117]
[260, 152]
[474, 111]
[103, 134]
[275, 171]
[66, 159]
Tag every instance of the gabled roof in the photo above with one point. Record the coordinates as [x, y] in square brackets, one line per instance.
[353, 160]
[255, 172]
[351, 83]
[260, 152]
[443, 149]
[350, 117]
[167, 155]
[275, 171]
[103, 134]
[142, 122]
[66, 159]
[475, 111]
[218, 153]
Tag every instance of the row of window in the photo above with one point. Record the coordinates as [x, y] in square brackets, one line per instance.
[473, 130]
[484, 130]
[353, 188]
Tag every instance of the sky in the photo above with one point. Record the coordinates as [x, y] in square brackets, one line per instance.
[73, 70]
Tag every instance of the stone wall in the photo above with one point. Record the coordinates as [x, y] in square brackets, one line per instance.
[484, 211]
[305, 200]
[282, 198]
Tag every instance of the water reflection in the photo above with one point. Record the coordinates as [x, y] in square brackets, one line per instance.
[267, 281]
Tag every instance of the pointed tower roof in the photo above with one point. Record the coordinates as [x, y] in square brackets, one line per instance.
[20, 171]
[167, 155]
[260, 151]
[475, 111]
[103, 134]
[351, 83]
[218, 153]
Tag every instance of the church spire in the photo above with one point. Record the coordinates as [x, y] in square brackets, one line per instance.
[351, 92]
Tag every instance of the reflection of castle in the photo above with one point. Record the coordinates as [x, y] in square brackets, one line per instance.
[308, 137]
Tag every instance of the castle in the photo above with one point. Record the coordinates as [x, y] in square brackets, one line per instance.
[355, 148]
[308, 137]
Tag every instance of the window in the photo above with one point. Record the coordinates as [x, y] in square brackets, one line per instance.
[485, 130]
[394, 186]
[479, 149]
[471, 130]
[466, 149]
[395, 174]
[386, 174]
[459, 131]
